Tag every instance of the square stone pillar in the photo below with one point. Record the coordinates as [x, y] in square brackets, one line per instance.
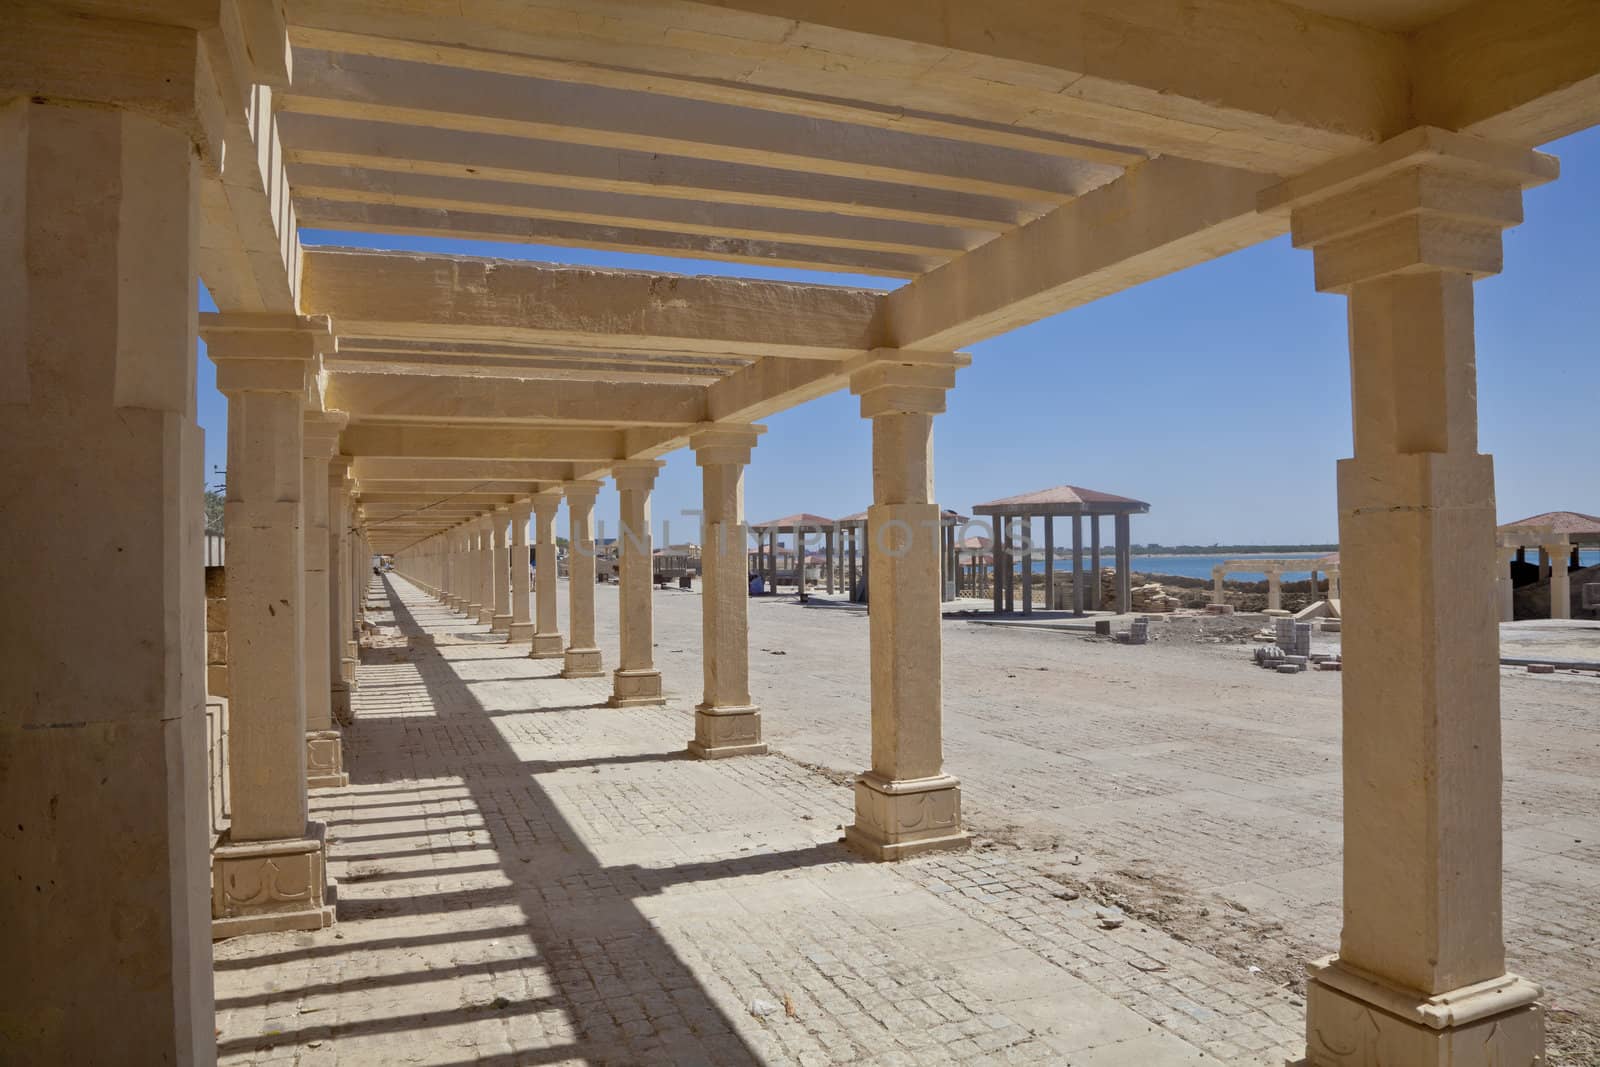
[500, 573]
[268, 869]
[324, 745]
[1420, 977]
[484, 561]
[102, 643]
[1560, 556]
[582, 658]
[726, 722]
[547, 640]
[636, 681]
[341, 670]
[472, 566]
[906, 803]
[1505, 594]
[521, 628]
[455, 570]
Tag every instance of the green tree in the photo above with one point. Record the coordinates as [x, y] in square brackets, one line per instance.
[213, 511]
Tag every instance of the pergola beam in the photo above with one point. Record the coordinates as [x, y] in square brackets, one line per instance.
[445, 298]
[447, 442]
[1158, 218]
[379, 469]
[462, 400]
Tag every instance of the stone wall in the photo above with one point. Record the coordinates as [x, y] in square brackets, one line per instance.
[217, 697]
[217, 631]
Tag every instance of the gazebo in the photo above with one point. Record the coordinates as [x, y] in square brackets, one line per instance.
[800, 525]
[853, 543]
[1063, 501]
[1557, 535]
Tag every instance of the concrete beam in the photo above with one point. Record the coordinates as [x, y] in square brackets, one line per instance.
[1157, 219]
[377, 468]
[442, 298]
[451, 442]
[467, 399]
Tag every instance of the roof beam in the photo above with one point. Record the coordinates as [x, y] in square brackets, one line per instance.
[1524, 73]
[376, 468]
[441, 298]
[455, 98]
[316, 139]
[1158, 218]
[484, 226]
[455, 442]
[466, 399]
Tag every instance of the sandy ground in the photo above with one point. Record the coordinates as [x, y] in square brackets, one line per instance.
[1186, 785]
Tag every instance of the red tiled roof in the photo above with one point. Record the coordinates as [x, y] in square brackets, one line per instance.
[1561, 522]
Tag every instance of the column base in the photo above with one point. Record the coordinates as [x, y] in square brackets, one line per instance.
[548, 646]
[500, 624]
[266, 886]
[636, 688]
[485, 616]
[519, 632]
[325, 760]
[352, 651]
[1356, 1019]
[343, 711]
[727, 731]
[473, 610]
[582, 663]
[347, 673]
[900, 818]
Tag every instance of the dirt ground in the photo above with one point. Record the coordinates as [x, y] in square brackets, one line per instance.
[1184, 785]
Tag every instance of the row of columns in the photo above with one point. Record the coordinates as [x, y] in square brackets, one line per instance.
[1556, 559]
[1006, 557]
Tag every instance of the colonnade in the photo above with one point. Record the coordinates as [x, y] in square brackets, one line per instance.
[1274, 570]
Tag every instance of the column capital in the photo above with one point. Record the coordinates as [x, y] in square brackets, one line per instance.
[729, 443]
[339, 470]
[521, 509]
[322, 430]
[546, 503]
[266, 353]
[583, 491]
[636, 473]
[897, 381]
[1426, 199]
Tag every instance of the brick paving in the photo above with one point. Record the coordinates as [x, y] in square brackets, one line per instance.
[528, 877]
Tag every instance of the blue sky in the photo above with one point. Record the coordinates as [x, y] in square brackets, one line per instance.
[1220, 394]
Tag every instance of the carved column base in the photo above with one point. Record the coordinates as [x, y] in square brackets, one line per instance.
[343, 711]
[728, 731]
[500, 624]
[519, 632]
[263, 886]
[582, 663]
[548, 646]
[347, 673]
[325, 760]
[1356, 1019]
[485, 616]
[453, 602]
[474, 609]
[636, 689]
[896, 819]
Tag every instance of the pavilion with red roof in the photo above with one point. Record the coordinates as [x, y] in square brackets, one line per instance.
[1063, 501]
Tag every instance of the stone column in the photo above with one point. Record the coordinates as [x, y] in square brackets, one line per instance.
[324, 745]
[500, 573]
[547, 640]
[1124, 565]
[772, 559]
[726, 721]
[636, 681]
[828, 550]
[582, 658]
[103, 752]
[1333, 583]
[1560, 581]
[1274, 589]
[906, 803]
[521, 628]
[1505, 594]
[341, 668]
[851, 576]
[1097, 593]
[269, 868]
[1077, 565]
[486, 571]
[1218, 593]
[460, 568]
[475, 570]
[1420, 977]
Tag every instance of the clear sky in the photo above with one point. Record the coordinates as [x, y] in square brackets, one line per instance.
[1220, 394]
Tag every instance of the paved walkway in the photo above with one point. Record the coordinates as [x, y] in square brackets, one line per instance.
[528, 877]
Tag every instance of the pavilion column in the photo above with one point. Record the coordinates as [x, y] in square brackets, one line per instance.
[1077, 565]
[521, 628]
[1124, 551]
[1097, 593]
[269, 868]
[726, 721]
[1560, 581]
[1505, 594]
[636, 681]
[547, 640]
[324, 744]
[500, 574]
[460, 568]
[486, 571]
[582, 658]
[475, 570]
[1220, 596]
[772, 559]
[905, 803]
[852, 576]
[1544, 563]
[341, 669]
[103, 751]
[1333, 583]
[1274, 589]
[1420, 977]
[828, 551]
